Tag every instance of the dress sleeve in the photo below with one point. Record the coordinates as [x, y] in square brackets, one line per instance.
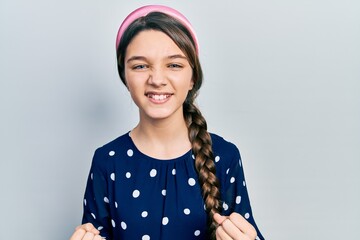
[235, 194]
[96, 207]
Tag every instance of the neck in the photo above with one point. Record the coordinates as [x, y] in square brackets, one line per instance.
[162, 138]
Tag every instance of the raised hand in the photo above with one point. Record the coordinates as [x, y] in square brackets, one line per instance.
[234, 227]
[86, 232]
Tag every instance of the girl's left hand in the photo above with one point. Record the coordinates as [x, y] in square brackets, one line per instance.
[234, 227]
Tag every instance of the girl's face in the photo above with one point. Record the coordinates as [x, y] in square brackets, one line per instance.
[158, 75]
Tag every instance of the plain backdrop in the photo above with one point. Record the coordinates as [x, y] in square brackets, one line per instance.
[282, 81]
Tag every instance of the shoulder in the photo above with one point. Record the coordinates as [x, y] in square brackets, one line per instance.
[227, 160]
[223, 147]
[227, 154]
[118, 143]
[112, 149]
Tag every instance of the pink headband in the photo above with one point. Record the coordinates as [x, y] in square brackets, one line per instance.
[143, 11]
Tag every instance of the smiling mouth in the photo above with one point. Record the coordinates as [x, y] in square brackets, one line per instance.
[158, 97]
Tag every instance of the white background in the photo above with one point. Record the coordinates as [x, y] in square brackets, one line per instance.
[282, 81]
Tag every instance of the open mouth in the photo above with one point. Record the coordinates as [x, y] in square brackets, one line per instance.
[158, 97]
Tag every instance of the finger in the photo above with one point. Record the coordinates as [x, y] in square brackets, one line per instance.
[241, 223]
[219, 219]
[221, 234]
[88, 227]
[218, 237]
[78, 234]
[98, 237]
[89, 236]
[232, 230]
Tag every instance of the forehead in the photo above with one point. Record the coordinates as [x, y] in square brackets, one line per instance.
[152, 43]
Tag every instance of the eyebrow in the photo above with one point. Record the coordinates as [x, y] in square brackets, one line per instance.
[177, 56]
[133, 58]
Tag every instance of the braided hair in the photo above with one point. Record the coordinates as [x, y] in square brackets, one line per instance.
[199, 137]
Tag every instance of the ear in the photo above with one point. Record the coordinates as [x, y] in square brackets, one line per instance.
[191, 84]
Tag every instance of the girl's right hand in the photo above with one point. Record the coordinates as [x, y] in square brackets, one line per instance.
[86, 232]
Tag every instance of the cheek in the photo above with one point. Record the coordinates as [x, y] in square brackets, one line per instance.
[128, 76]
[135, 80]
[133, 88]
[183, 79]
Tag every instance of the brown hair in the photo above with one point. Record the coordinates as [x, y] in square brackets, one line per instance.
[197, 128]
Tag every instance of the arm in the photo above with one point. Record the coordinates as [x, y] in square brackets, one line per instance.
[237, 221]
[96, 216]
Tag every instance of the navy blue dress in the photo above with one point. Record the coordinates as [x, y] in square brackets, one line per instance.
[132, 196]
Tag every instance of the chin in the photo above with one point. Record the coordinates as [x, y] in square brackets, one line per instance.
[160, 115]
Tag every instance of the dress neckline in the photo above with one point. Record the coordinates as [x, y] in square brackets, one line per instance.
[186, 155]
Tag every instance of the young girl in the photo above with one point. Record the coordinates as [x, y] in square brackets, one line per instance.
[168, 178]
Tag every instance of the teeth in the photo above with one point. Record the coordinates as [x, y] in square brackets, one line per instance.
[158, 97]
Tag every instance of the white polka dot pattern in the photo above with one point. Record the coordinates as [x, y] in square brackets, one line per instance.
[165, 220]
[153, 173]
[191, 181]
[130, 152]
[136, 193]
[113, 223]
[238, 200]
[187, 211]
[123, 225]
[141, 181]
[225, 206]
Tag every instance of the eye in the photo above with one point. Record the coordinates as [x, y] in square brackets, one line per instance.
[139, 67]
[174, 65]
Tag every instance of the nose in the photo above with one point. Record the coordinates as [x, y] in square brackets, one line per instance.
[157, 78]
